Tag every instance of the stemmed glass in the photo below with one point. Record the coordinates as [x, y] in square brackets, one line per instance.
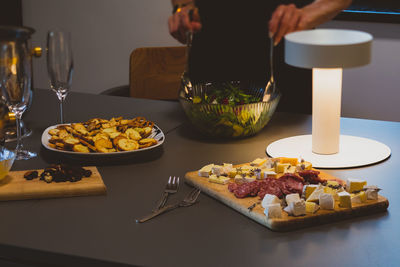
[60, 64]
[15, 83]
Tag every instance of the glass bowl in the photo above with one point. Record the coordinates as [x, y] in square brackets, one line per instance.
[228, 120]
[6, 161]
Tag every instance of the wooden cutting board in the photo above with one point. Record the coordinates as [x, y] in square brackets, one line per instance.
[15, 187]
[286, 223]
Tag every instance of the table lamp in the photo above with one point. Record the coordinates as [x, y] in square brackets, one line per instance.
[327, 52]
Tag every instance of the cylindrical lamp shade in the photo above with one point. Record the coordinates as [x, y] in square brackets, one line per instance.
[328, 48]
[327, 91]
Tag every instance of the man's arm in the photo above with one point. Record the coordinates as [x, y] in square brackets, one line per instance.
[179, 23]
[289, 18]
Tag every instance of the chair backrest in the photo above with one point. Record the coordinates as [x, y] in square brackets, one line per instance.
[155, 72]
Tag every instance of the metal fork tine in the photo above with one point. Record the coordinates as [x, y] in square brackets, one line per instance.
[177, 184]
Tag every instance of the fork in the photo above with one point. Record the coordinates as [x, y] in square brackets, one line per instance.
[189, 200]
[171, 188]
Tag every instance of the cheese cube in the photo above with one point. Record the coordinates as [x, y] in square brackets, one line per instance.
[291, 169]
[363, 196]
[273, 211]
[311, 207]
[332, 183]
[218, 179]
[292, 198]
[314, 197]
[269, 173]
[308, 189]
[355, 199]
[249, 178]
[232, 173]
[258, 162]
[307, 165]
[296, 208]
[372, 194]
[344, 199]
[281, 167]
[270, 199]
[291, 161]
[326, 201]
[206, 170]
[353, 185]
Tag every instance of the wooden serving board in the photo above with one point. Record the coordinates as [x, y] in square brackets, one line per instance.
[15, 187]
[286, 223]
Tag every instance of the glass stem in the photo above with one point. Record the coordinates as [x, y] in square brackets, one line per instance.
[61, 110]
[19, 139]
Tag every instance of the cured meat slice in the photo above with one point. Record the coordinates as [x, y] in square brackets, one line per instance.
[270, 186]
[291, 184]
[232, 187]
[311, 176]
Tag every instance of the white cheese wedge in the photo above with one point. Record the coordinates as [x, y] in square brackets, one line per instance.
[344, 199]
[258, 162]
[311, 207]
[217, 170]
[270, 163]
[296, 208]
[259, 175]
[326, 201]
[314, 197]
[353, 185]
[292, 198]
[371, 191]
[270, 199]
[331, 191]
[218, 179]
[273, 211]
[372, 194]
[268, 173]
[206, 170]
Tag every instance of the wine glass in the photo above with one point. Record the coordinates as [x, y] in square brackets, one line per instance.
[15, 83]
[60, 64]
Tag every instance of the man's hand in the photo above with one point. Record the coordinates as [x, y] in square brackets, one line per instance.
[289, 18]
[286, 19]
[179, 23]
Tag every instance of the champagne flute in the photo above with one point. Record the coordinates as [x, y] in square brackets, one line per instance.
[60, 64]
[15, 83]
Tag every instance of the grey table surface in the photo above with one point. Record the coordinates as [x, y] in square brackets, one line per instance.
[100, 230]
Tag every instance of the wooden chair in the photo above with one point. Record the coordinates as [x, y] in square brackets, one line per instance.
[155, 72]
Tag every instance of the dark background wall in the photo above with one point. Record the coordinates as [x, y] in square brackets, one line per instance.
[11, 12]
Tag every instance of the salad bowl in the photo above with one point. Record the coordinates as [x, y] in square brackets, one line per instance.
[228, 109]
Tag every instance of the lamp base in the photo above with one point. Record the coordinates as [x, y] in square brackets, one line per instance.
[353, 151]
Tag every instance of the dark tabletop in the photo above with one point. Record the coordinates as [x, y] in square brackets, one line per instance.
[100, 230]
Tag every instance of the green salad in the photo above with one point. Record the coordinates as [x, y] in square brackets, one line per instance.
[225, 94]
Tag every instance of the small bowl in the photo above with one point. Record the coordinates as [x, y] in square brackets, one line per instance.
[227, 121]
[7, 158]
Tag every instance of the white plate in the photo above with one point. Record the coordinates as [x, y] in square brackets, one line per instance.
[156, 133]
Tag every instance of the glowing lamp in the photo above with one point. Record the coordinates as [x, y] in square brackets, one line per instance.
[327, 52]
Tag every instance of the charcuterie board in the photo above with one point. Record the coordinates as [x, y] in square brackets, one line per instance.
[15, 187]
[286, 223]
